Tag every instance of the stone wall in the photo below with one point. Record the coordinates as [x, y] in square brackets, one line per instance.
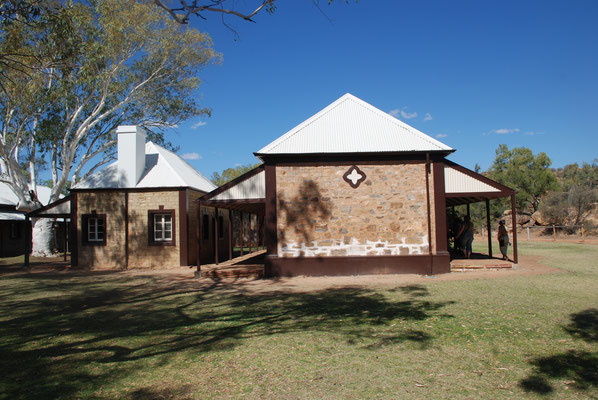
[141, 254]
[320, 214]
[112, 204]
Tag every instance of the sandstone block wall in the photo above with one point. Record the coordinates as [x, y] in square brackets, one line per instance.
[141, 254]
[320, 214]
[112, 255]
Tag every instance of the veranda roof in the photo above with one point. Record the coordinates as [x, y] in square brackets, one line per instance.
[246, 193]
[463, 186]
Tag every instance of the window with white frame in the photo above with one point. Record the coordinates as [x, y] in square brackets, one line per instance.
[162, 227]
[94, 229]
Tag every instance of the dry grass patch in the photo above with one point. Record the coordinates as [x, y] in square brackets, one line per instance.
[140, 336]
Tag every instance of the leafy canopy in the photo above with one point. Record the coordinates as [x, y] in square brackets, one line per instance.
[525, 172]
[102, 63]
[231, 173]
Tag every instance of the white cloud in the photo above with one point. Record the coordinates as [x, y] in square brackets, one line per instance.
[191, 156]
[428, 117]
[505, 131]
[534, 133]
[441, 135]
[396, 112]
[198, 124]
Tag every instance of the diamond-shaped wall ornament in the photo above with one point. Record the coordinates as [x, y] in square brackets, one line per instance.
[354, 176]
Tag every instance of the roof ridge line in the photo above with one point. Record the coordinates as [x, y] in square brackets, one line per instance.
[309, 121]
[184, 161]
[410, 129]
[158, 149]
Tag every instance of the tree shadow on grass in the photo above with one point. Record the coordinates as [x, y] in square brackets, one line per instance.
[580, 367]
[99, 329]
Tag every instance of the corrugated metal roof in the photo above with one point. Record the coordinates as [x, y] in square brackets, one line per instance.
[457, 182]
[163, 168]
[350, 125]
[253, 187]
[8, 197]
[6, 216]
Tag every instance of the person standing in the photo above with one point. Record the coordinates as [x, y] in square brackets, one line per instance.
[466, 236]
[503, 239]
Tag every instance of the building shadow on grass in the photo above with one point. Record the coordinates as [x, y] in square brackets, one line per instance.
[579, 367]
[81, 333]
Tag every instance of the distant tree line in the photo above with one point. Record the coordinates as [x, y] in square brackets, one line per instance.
[563, 196]
[231, 173]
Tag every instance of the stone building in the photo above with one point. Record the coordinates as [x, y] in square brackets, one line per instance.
[140, 212]
[353, 190]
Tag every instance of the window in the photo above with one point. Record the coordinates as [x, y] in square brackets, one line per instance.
[161, 227]
[94, 229]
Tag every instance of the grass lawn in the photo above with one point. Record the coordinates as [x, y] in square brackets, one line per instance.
[118, 335]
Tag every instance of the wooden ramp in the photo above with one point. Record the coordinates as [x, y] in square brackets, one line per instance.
[480, 264]
[247, 266]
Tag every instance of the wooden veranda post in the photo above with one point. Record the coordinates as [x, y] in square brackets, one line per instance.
[199, 233]
[250, 241]
[216, 236]
[64, 237]
[230, 234]
[28, 240]
[242, 233]
[514, 219]
[489, 228]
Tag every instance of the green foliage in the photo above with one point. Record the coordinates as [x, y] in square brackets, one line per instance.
[231, 173]
[525, 172]
[584, 176]
[575, 201]
[555, 207]
[86, 67]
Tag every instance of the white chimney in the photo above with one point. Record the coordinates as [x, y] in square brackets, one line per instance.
[131, 154]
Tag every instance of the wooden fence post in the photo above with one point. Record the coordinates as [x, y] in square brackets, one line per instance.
[553, 232]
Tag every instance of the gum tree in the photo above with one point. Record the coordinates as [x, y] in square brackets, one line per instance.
[99, 64]
[525, 172]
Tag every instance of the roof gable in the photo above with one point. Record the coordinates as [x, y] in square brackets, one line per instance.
[350, 125]
[163, 168]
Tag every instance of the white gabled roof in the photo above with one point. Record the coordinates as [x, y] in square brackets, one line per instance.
[251, 188]
[458, 182]
[350, 125]
[163, 168]
[7, 196]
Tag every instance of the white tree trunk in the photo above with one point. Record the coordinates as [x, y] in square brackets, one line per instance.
[43, 237]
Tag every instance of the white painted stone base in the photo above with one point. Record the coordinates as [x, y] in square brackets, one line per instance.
[353, 248]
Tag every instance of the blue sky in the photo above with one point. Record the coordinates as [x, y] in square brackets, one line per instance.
[473, 74]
